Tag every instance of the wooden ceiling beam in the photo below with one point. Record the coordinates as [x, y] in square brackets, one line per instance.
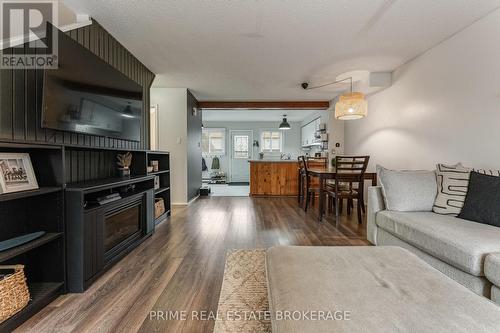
[306, 105]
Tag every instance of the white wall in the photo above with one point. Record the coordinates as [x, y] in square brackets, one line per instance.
[291, 138]
[336, 130]
[172, 123]
[444, 106]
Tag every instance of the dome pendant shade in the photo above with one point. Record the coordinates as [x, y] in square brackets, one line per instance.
[351, 106]
[284, 124]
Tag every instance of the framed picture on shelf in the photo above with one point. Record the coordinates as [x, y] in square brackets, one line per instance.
[16, 173]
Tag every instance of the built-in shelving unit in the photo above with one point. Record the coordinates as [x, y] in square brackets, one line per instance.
[61, 170]
[32, 193]
[163, 178]
[158, 172]
[21, 249]
[42, 294]
[98, 184]
[31, 211]
[161, 190]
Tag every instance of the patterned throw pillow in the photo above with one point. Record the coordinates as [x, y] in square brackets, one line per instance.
[453, 182]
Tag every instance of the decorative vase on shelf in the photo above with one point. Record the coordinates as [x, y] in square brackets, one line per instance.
[124, 172]
[124, 161]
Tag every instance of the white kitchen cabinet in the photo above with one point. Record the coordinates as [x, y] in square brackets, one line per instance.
[308, 133]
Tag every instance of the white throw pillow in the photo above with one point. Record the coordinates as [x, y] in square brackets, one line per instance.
[452, 182]
[408, 191]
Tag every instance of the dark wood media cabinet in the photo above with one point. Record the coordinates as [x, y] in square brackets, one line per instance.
[67, 175]
[100, 235]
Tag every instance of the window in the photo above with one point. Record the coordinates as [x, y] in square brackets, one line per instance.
[271, 141]
[240, 145]
[213, 141]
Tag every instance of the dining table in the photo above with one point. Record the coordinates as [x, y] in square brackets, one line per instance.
[323, 174]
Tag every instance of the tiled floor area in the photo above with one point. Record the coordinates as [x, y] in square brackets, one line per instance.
[224, 190]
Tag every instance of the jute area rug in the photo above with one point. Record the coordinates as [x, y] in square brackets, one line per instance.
[243, 302]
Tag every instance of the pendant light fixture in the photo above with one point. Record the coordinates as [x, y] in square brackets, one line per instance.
[284, 124]
[350, 106]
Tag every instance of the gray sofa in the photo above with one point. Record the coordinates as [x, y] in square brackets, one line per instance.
[466, 251]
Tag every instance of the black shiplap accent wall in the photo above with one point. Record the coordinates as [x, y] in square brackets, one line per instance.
[21, 96]
[85, 165]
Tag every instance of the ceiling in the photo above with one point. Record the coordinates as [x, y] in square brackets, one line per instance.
[257, 115]
[263, 50]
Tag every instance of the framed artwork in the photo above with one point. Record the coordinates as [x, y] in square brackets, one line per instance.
[16, 173]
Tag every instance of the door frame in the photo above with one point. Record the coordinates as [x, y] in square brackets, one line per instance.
[230, 153]
[154, 126]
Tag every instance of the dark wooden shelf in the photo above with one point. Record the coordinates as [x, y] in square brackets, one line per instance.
[157, 152]
[18, 250]
[93, 205]
[41, 294]
[28, 145]
[26, 194]
[158, 172]
[161, 190]
[95, 185]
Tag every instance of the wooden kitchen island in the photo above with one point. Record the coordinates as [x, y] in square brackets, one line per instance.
[273, 177]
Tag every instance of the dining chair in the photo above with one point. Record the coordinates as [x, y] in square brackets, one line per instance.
[355, 186]
[319, 162]
[308, 191]
[302, 176]
[349, 170]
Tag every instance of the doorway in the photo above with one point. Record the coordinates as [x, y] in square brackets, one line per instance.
[241, 151]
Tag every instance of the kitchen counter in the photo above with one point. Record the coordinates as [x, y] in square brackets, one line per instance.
[273, 177]
[273, 161]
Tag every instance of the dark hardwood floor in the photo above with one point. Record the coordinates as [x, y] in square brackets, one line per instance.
[180, 268]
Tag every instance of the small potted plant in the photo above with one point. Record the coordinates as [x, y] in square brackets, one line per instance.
[124, 161]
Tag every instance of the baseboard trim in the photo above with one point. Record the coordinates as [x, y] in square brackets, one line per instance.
[185, 204]
[193, 200]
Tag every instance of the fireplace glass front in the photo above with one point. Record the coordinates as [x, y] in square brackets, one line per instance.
[122, 225]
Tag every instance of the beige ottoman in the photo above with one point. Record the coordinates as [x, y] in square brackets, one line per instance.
[492, 272]
[369, 289]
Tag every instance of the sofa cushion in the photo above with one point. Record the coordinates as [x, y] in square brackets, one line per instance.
[495, 294]
[478, 284]
[460, 243]
[408, 191]
[492, 268]
[481, 203]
